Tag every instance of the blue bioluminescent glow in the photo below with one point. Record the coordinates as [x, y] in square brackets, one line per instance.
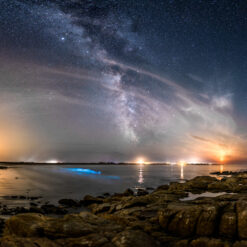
[112, 177]
[82, 170]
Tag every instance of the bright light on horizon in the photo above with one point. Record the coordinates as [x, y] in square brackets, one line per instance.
[140, 161]
[182, 163]
[52, 161]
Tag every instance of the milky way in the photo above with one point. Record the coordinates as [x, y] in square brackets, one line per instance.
[84, 80]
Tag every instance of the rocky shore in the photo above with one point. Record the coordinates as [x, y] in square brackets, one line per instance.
[159, 218]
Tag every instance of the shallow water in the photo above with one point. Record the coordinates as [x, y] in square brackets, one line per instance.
[192, 196]
[54, 182]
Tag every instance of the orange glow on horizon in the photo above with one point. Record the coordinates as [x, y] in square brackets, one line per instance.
[140, 161]
[182, 163]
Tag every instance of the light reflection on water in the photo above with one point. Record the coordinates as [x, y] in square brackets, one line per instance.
[54, 182]
[181, 171]
[140, 176]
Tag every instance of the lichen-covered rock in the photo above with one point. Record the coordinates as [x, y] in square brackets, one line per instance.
[12, 241]
[184, 221]
[206, 223]
[91, 240]
[70, 226]
[228, 225]
[100, 208]
[88, 200]
[200, 182]
[69, 202]
[128, 192]
[25, 225]
[182, 243]
[207, 242]
[165, 217]
[241, 207]
[242, 243]
[133, 238]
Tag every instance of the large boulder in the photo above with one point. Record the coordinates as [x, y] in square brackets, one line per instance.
[241, 207]
[25, 225]
[228, 225]
[206, 223]
[183, 223]
[165, 217]
[200, 182]
[69, 202]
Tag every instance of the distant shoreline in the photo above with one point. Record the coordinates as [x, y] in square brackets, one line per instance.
[100, 163]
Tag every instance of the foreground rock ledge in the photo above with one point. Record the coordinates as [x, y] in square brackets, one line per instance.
[156, 219]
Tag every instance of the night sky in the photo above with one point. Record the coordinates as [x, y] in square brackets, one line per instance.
[112, 80]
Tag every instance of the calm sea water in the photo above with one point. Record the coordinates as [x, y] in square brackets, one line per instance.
[54, 182]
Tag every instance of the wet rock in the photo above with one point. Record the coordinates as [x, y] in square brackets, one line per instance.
[34, 197]
[218, 187]
[35, 209]
[2, 224]
[175, 186]
[167, 196]
[200, 182]
[141, 192]
[128, 192]
[51, 209]
[20, 210]
[100, 208]
[133, 238]
[69, 203]
[134, 202]
[3, 167]
[163, 187]
[87, 200]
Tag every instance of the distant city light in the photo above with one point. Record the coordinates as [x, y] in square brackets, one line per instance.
[182, 163]
[52, 161]
[140, 161]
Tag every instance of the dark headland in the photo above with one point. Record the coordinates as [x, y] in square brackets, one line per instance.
[142, 219]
